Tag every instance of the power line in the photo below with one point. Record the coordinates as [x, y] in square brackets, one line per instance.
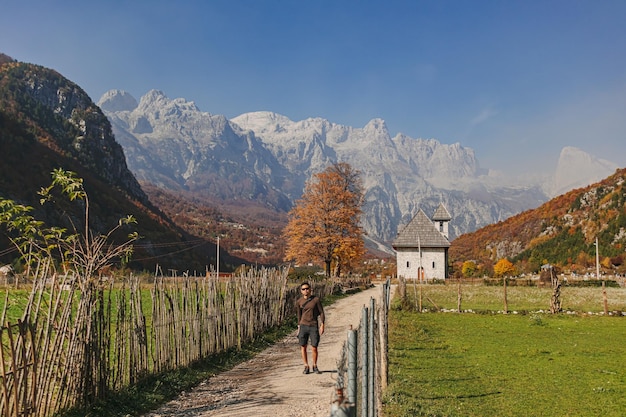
[196, 243]
[170, 253]
[7, 251]
[166, 244]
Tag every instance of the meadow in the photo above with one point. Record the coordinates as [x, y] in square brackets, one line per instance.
[477, 297]
[531, 363]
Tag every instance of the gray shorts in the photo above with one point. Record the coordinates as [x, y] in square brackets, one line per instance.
[307, 332]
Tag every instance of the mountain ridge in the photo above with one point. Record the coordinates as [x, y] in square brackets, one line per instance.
[258, 163]
[569, 176]
[398, 172]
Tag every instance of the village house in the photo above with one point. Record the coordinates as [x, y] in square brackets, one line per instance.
[422, 246]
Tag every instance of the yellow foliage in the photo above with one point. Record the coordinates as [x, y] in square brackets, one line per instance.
[469, 268]
[503, 267]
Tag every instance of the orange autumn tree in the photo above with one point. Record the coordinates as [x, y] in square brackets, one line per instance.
[503, 267]
[324, 225]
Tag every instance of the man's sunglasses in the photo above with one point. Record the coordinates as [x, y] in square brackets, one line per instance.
[305, 288]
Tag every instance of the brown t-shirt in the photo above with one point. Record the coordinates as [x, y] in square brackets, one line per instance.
[308, 311]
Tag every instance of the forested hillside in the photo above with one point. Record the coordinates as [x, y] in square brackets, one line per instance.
[250, 232]
[561, 232]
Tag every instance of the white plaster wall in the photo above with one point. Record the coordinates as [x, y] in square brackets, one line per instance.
[443, 228]
[429, 256]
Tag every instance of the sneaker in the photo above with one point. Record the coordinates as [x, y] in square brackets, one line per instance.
[306, 370]
[317, 371]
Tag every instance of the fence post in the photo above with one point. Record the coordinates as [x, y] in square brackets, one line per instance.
[343, 406]
[383, 319]
[373, 330]
[371, 361]
[352, 366]
[364, 364]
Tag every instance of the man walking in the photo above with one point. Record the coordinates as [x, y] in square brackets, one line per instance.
[309, 309]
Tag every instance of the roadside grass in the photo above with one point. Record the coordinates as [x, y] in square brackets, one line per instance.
[450, 364]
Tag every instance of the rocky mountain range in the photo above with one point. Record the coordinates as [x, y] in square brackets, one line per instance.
[253, 167]
[267, 158]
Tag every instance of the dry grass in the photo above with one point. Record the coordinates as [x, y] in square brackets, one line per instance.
[478, 297]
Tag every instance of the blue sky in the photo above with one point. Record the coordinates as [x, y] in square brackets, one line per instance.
[514, 80]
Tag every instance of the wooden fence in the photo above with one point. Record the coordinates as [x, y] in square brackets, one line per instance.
[78, 341]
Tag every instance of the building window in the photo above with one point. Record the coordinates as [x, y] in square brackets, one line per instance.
[433, 265]
[407, 264]
[441, 227]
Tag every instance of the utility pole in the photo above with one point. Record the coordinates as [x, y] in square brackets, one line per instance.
[597, 261]
[419, 270]
[419, 249]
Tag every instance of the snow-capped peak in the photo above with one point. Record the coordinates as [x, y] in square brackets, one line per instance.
[262, 121]
[117, 100]
[576, 168]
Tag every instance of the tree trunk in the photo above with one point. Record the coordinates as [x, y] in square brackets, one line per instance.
[555, 302]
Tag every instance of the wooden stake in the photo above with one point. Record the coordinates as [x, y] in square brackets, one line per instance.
[506, 301]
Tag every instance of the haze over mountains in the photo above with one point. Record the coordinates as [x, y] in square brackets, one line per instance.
[578, 169]
[267, 158]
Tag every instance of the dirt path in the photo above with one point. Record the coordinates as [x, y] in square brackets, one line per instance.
[272, 384]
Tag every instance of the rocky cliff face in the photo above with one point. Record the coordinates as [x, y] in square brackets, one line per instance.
[48, 122]
[172, 144]
[267, 156]
[400, 174]
[69, 122]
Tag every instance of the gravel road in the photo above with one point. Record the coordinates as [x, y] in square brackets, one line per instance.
[272, 384]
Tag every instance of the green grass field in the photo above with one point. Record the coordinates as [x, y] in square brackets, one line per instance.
[450, 364]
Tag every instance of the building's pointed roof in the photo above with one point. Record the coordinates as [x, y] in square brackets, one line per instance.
[441, 214]
[420, 232]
